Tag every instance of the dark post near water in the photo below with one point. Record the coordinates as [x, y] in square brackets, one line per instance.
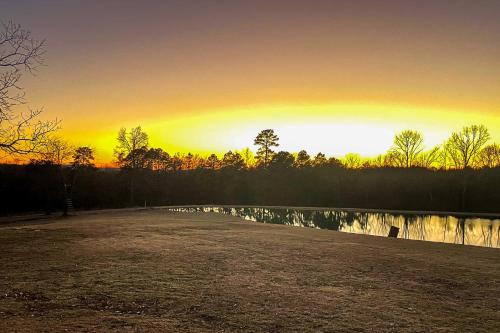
[393, 232]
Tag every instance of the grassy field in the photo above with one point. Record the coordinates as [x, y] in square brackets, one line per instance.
[155, 271]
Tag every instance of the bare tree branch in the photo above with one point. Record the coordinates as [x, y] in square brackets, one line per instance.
[25, 134]
[19, 48]
[407, 146]
[464, 146]
[20, 133]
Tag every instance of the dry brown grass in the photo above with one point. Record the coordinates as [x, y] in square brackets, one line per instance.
[158, 271]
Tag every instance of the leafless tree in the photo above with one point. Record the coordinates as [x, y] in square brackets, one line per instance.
[393, 158]
[489, 156]
[129, 143]
[429, 159]
[57, 150]
[407, 145]
[352, 161]
[20, 132]
[376, 162]
[463, 147]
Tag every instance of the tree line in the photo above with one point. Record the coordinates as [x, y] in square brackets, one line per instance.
[463, 174]
[150, 176]
[467, 148]
[24, 133]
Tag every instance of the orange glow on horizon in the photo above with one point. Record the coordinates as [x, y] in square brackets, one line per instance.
[334, 129]
[335, 77]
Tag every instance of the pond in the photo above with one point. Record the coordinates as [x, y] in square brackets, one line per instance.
[459, 229]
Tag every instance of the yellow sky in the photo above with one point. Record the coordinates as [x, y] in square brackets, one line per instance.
[335, 129]
[330, 76]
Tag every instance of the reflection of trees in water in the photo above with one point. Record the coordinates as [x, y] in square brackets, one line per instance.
[304, 219]
[363, 221]
[414, 226]
[468, 230]
[281, 216]
[490, 234]
[445, 229]
[325, 220]
[349, 218]
[380, 223]
[464, 233]
[498, 236]
[405, 230]
[418, 225]
[460, 231]
[487, 234]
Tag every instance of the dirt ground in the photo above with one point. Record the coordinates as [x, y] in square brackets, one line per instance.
[151, 270]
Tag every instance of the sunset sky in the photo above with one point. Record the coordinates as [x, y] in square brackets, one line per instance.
[206, 75]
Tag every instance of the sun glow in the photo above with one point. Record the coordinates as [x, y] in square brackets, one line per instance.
[334, 129]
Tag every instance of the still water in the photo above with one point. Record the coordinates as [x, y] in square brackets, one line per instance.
[435, 228]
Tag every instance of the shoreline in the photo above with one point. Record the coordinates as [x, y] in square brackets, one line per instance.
[29, 216]
[492, 216]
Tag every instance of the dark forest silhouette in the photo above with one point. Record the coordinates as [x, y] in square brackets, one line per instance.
[150, 176]
[463, 174]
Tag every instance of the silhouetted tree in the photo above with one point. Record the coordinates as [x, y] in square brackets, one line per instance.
[83, 157]
[136, 159]
[212, 162]
[352, 161]
[407, 145]
[130, 153]
[334, 162]
[266, 139]
[282, 159]
[376, 162]
[188, 162]
[57, 150]
[233, 161]
[428, 159]
[489, 156]
[83, 162]
[303, 160]
[319, 160]
[393, 159]
[463, 147]
[198, 161]
[176, 162]
[157, 159]
[20, 132]
[131, 147]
